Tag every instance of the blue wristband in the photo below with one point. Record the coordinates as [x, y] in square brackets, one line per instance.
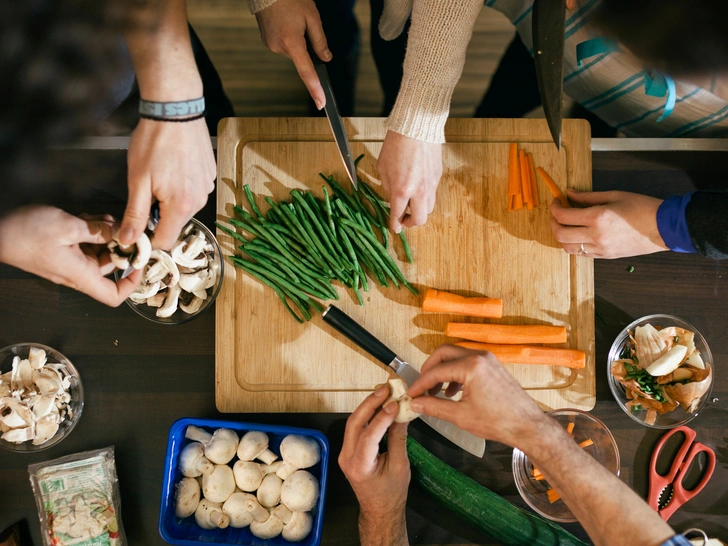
[672, 223]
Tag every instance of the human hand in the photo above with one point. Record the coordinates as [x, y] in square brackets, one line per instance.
[493, 405]
[613, 224]
[570, 4]
[174, 164]
[379, 481]
[64, 249]
[284, 26]
[410, 170]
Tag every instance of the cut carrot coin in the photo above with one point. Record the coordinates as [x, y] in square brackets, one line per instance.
[553, 188]
[507, 334]
[438, 301]
[528, 354]
[532, 176]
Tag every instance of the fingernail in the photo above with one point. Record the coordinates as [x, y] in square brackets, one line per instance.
[126, 235]
[380, 391]
[318, 104]
[417, 406]
[391, 406]
[397, 230]
[328, 55]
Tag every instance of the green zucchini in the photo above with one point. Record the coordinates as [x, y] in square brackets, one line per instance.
[485, 510]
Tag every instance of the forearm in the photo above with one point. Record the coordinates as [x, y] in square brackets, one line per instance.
[438, 38]
[383, 529]
[162, 55]
[595, 496]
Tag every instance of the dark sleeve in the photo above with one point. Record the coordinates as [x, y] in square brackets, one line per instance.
[707, 219]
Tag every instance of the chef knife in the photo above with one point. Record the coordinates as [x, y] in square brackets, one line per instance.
[335, 120]
[356, 333]
[548, 53]
[154, 219]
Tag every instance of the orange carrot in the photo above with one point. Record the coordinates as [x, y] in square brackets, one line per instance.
[539, 478]
[517, 201]
[507, 334]
[512, 170]
[525, 180]
[528, 354]
[437, 301]
[586, 443]
[570, 428]
[553, 496]
[532, 176]
[555, 191]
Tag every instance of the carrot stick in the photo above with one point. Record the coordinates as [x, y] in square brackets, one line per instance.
[570, 428]
[539, 478]
[517, 201]
[553, 188]
[528, 354]
[586, 443]
[437, 301]
[532, 176]
[507, 334]
[513, 169]
[535, 472]
[525, 180]
[553, 496]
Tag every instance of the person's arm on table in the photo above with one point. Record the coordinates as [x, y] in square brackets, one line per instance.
[493, 406]
[379, 481]
[410, 163]
[171, 162]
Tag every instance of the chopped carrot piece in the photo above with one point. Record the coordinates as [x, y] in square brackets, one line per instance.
[539, 478]
[525, 180]
[532, 176]
[517, 201]
[528, 354]
[513, 169]
[586, 443]
[438, 301]
[535, 472]
[553, 496]
[570, 428]
[509, 334]
[553, 188]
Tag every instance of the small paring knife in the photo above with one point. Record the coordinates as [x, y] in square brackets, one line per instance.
[335, 120]
[356, 333]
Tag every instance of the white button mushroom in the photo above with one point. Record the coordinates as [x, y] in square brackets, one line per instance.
[189, 252]
[298, 527]
[188, 497]
[37, 358]
[254, 445]
[209, 515]
[269, 492]
[219, 446]
[283, 513]
[258, 513]
[162, 268]
[248, 475]
[270, 528]
[218, 485]
[135, 255]
[398, 394]
[271, 468]
[170, 302]
[298, 452]
[300, 491]
[192, 461]
[234, 509]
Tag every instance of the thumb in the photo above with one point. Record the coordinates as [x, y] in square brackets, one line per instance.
[590, 198]
[137, 212]
[394, 18]
[436, 407]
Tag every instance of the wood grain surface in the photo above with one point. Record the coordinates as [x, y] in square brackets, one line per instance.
[268, 362]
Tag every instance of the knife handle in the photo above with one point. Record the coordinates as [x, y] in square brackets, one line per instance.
[356, 333]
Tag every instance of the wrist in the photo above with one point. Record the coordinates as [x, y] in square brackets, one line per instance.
[381, 527]
[542, 439]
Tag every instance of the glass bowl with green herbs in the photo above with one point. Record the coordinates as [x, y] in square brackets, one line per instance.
[660, 371]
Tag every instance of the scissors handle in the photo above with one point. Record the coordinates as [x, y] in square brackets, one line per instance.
[658, 482]
[680, 495]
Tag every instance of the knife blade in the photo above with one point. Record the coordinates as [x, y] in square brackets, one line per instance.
[548, 54]
[154, 219]
[359, 335]
[335, 120]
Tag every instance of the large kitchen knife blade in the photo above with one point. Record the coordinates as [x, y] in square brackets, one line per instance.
[355, 332]
[548, 53]
[335, 120]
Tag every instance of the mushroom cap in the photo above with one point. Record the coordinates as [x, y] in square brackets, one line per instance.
[187, 497]
[207, 511]
[218, 485]
[270, 528]
[143, 251]
[221, 448]
[269, 492]
[192, 461]
[248, 475]
[300, 491]
[251, 444]
[300, 451]
[234, 508]
[298, 527]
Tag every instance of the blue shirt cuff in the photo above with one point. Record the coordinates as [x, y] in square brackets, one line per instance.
[672, 223]
[677, 540]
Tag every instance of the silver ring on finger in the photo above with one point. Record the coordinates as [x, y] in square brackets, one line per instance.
[582, 251]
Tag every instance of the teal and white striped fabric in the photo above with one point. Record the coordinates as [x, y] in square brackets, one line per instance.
[613, 84]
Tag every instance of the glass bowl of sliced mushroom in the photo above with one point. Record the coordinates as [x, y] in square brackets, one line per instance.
[179, 284]
[41, 397]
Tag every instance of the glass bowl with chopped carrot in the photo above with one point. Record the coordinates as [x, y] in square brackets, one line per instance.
[592, 435]
[660, 371]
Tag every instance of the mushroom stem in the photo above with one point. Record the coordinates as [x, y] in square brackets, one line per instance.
[259, 513]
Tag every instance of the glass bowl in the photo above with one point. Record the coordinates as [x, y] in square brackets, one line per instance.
[604, 450]
[75, 390]
[179, 316]
[678, 416]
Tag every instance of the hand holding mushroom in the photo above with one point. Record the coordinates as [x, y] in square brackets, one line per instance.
[64, 249]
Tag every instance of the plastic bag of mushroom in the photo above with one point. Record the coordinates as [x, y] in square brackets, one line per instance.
[34, 399]
[241, 483]
[179, 279]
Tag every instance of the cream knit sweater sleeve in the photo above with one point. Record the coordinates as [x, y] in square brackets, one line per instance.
[438, 37]
[259, 5]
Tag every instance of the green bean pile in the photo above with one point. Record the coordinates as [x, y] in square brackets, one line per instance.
[300, 247]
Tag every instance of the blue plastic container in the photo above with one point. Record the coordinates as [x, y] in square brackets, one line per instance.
[186, 532]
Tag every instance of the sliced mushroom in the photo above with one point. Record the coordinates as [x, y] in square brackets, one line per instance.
[194, 281]
[45, 429]
[157, 300]
[187, 252]
[37, 357]
[170, 303]
[135, 255]
[145, 291]
[193, 306]
[164, 269]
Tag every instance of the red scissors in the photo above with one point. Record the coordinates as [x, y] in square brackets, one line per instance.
[671, 483]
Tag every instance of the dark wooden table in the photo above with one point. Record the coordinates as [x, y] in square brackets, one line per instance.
[140, 377]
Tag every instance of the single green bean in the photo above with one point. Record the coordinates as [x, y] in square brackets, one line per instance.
[232, 233]
[251, 200]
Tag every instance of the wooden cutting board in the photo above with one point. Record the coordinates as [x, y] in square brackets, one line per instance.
[266, 362]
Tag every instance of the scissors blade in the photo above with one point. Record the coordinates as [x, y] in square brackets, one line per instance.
[335, 120]
[548, 46]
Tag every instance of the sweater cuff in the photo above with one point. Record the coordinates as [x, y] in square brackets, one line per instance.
[420, 113]
[672, 223]
[259, 5]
